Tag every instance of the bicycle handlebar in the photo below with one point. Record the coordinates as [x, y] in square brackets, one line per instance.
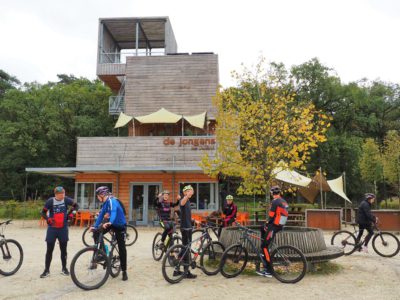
[6, 222]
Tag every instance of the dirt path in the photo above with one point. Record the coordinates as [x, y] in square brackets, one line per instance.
[364, 276]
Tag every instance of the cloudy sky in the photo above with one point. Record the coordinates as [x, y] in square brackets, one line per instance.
[358, 38]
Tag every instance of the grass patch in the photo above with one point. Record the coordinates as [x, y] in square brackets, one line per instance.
[325, 268]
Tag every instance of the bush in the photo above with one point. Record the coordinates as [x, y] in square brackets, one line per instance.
[391, 204]
[12, 209]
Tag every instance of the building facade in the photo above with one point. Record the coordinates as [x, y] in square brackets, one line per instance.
[165, 99]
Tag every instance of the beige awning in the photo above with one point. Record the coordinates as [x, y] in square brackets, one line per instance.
[160, 116]
[197, 120]
[336, 186]
[123, 119]
[291, 177]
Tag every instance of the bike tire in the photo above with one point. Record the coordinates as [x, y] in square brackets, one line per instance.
[87, 237]
[288, 256]
[19, 253]
[96, 253]
[115, 261]
[345, 240]
[155, 249]
[171, 262]
[234, 261]
[386, 239]
[210, 258]
[131, 235]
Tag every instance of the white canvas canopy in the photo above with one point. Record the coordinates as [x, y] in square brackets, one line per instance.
[123, 119]
[160, 116]
[336, 186]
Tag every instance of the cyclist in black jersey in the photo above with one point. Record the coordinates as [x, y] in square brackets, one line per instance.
[164, 208]
[277, 218]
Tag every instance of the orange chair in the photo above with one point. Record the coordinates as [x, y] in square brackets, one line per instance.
[243, 218]
[86, 216]
[77, 217]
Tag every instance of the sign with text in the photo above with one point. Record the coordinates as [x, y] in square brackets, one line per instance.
[201, 143]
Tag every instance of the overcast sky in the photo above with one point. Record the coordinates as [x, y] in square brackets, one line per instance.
[358, 38]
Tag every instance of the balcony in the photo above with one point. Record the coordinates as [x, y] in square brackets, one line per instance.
[116, 105]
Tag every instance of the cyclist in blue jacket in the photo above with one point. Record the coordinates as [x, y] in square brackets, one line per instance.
[117, 222]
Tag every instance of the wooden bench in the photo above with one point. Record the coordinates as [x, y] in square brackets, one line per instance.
[309, 240]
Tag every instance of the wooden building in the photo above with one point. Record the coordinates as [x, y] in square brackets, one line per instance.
[138, 59]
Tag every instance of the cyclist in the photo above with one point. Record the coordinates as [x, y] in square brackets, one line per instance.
[230, 211]
[365, 219]
[117, 222]
[278, 214]
[186, 227]
[164, 213]
[56, 213]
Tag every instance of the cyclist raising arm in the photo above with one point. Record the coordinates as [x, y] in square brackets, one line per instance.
[365, 219]
[164, 213]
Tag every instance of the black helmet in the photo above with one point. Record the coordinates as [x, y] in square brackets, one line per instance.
[369, 196]
[275, 190]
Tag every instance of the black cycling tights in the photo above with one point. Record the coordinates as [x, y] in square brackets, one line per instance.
[49, 254]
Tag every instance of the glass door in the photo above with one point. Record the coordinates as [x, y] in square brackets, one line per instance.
[143, 197]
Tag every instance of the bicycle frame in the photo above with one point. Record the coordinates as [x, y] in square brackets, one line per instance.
[203, 238]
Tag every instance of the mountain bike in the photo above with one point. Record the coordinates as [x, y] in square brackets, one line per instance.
[91, 266]
[11, 253]
[131, 236]
[384, 243]
[159, 248]
[288, 263]
[183, 257]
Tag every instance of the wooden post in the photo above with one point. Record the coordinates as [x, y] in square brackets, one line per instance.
[320, 187]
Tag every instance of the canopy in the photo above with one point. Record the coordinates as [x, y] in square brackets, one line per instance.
[336, 186]
[123, 119]
[160, 116]
[197, 120]
[291, 177]
[308, 187]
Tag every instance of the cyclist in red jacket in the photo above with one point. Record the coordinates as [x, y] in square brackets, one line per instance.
[278, 214]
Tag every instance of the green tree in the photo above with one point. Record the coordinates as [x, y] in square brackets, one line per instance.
[39, 125]
[391, 161]
[371, 163]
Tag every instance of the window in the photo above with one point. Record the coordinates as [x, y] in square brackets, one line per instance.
[86, 195]
[204, 195]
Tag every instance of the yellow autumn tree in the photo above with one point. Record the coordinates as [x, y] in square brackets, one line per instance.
[260, 124]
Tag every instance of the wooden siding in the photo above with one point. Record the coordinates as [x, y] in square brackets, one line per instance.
[111, 69]
[182, 84]
[169, 181]
[139, 152]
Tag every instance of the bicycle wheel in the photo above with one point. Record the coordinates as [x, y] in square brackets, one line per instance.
[90, 268]
[210, 258]
[344, 240]
[115, 261]
[156, 249]
[176, 240]
[11, 257]
[173, 264]
[233, 261]
[87, 237]
[131, 235]
[289, 264]
[386, 244]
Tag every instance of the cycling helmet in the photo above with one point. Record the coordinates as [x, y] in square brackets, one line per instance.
[369, 196]
[229, 197]
[59, 190]
[275, 190]
[102, 190]
[186, 188]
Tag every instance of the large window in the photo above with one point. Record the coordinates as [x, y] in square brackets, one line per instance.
[204, 195]
[86, 197]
